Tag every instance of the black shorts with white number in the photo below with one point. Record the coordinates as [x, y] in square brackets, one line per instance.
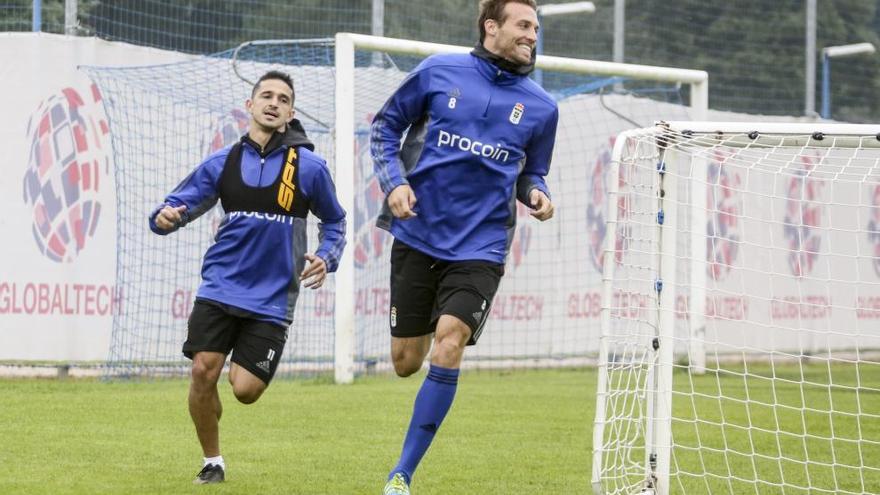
[423, 288]
[256, 345]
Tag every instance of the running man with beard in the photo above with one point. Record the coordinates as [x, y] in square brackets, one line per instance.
[479, 136]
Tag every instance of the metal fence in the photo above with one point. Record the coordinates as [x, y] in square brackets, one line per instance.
[756, 51]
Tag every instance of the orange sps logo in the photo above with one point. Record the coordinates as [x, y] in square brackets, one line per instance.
[286, 188]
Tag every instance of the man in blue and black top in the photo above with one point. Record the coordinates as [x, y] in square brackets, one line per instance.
[479, 136]
[267, 184]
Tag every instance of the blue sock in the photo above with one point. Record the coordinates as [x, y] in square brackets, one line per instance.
[432, 403]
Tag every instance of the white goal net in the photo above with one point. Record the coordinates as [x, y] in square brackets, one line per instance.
[740, 347]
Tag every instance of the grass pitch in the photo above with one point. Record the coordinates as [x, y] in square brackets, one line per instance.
[524, 432]
[511, 433]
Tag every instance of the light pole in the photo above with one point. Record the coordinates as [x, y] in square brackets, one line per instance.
[830, 52]
[37, 18]
[556, 9]
[377, 26]
[810, 56]
[70, 17]
[619, 21]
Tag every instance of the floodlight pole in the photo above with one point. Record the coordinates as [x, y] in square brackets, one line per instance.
[70, 17]
[37, 19]
[810, 48]
[377, 26]
[619, 28]
[830, 52]
[826, 86]
[556, 9]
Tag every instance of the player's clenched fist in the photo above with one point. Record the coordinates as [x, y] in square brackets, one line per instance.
[402, 200]
[541, 204]
[169, 217]
[314, 275]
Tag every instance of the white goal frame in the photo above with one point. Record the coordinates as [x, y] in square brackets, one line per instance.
[345, 46]
[659, 392]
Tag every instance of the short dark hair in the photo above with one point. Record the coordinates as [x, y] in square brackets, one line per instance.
[494, 9]
[274, 74]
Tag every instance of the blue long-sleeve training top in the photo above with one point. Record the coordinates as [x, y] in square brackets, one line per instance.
[477, 139]
[258, 252]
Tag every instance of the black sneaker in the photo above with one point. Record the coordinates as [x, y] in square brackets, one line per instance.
[211, 473]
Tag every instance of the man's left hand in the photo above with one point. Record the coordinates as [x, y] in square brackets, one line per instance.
[314, 275]
[541, 205]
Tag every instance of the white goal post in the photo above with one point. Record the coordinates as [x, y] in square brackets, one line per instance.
[345, 47]
[740, 350]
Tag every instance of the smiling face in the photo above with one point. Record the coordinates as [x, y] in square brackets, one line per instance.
[515, 36]
[271, 106]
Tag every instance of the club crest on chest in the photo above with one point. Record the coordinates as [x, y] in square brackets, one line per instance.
[517, 113]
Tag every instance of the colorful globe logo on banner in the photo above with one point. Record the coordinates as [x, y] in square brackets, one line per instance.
[874, 228]
[803, 218]
[67, 163]
[370, 242]
[597, 208]
[724, 205]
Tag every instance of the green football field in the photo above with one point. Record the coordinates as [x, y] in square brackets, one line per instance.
[508, 433]
[512, 433]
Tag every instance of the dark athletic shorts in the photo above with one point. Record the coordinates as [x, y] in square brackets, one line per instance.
[423, 288]
[255, 345]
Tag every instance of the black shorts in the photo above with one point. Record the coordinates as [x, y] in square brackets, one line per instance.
[255, 345]
[423, 288]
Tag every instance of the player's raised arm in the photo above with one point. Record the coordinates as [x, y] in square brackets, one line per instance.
[195, 195]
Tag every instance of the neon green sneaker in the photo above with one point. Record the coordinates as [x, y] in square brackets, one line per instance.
[396, 486]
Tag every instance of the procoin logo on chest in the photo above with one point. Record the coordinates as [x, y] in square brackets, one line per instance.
[473, 146]
[286, 188]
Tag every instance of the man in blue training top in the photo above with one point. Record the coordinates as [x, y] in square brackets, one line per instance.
[479, 136]
[266, 183]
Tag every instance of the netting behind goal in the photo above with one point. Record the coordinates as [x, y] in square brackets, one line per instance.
[741, 346]
[165, 119]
